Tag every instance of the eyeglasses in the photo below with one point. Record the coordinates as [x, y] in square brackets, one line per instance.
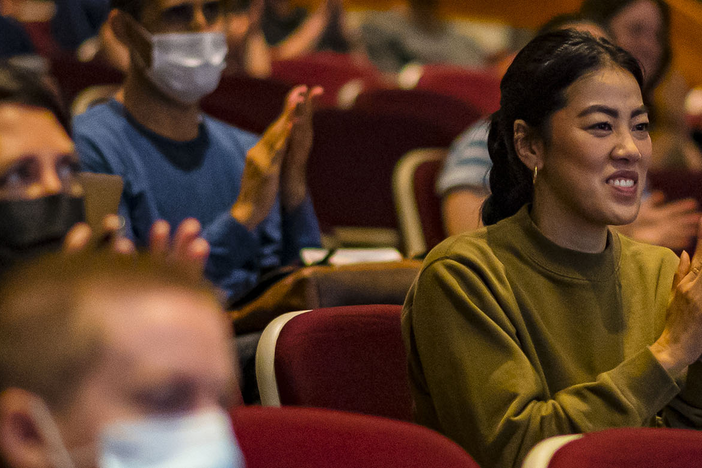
[182, 15]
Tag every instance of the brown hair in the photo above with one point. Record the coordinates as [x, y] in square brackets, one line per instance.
[47, 343]
[20, 86]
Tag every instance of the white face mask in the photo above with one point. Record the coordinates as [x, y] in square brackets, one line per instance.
[202, 440]
[185, 66]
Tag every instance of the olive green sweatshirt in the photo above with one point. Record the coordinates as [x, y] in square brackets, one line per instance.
[513, 339]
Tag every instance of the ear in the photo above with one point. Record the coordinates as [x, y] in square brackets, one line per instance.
[528, 145]
[127, 34]
[116, 22]
[21, 442]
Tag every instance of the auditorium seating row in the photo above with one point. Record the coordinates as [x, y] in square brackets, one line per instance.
[352, 359]
[354, 147]
[447, 95]
[339, 200]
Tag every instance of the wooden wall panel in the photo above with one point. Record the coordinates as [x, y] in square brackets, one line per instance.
[686, 27]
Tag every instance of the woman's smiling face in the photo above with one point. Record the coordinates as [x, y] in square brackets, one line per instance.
[592, 166]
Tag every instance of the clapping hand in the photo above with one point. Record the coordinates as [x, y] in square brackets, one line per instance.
[186, 248]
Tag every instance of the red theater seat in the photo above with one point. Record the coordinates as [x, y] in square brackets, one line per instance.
[449, 113]
[479, 88]
[74, 76]
[315, 438]
[620, 448]
[246, 102]
[677, 184]
[327, 69]
[353, 157]
[347, 358]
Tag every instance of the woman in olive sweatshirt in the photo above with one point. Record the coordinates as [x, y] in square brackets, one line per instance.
[546, 322]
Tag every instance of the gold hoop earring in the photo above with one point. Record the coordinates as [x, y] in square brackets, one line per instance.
[536, 172]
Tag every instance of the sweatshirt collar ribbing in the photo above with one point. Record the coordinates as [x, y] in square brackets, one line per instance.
[566, 262]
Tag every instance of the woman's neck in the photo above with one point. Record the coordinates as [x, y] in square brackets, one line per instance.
[567, 229]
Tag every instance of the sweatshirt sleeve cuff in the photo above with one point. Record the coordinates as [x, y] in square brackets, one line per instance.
[645, 383]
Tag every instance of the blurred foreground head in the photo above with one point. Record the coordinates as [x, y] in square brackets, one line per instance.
[113, 361]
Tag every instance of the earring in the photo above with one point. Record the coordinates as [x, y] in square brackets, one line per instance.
[536, 172]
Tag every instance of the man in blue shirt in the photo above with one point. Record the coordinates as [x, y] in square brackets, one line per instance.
[249, 195]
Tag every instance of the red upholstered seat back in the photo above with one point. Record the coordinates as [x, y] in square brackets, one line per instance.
[73, 76]
[347, 358]
[246, 102]
[632, 448]
[315, 438]
[477, 87]
[327, 69]
[352, 160]
[450, 114]
[677, 184]
[41, 36]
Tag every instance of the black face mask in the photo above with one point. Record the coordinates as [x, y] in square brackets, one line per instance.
[32, 227]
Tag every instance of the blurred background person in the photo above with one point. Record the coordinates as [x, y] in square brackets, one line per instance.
[291, 31]
[79, 27]
[16, 44]
[642, 27]
[111, 360]
[76, 21]
[416, 33]
[249, 52]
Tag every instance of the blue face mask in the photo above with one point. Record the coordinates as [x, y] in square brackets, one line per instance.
[202, 440]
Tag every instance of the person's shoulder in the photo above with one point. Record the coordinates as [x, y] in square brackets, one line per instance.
[470, 248]
[471, 144]
[105, 138]
[647, 256]
[100, 118]
[467, 163]
[466, 262]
